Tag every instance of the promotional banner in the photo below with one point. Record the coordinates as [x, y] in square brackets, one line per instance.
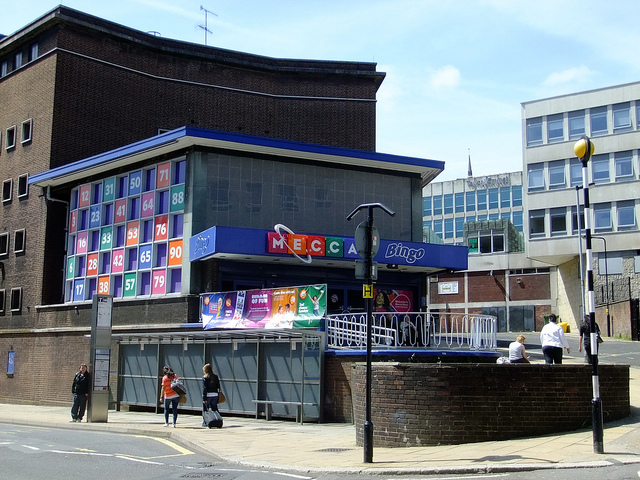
[392, 300]
[287, 307]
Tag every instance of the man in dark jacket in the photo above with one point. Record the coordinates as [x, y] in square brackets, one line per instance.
[80, 389]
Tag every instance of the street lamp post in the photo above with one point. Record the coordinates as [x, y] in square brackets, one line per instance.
[369, 277]
[606, 281]
[583, 149]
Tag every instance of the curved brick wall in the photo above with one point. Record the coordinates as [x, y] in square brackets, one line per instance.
[422, 404]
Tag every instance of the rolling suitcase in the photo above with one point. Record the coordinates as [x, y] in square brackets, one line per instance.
[212, 418]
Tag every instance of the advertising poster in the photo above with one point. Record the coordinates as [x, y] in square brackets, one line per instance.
[392, 300]
[287, 307]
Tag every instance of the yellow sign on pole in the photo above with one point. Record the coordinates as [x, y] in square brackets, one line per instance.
[367, 290]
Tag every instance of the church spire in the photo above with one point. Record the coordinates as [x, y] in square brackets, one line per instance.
[470, 173]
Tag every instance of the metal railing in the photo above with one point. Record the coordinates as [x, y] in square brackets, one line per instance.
[413, 330]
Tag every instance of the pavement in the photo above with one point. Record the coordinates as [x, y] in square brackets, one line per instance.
[331, 447]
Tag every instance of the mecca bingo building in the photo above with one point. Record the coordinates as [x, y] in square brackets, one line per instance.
[241, 178]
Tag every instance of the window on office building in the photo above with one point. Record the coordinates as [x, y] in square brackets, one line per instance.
[621, 117]
[16, 300]
[11, 138]
[536, 223]
[505, 197]
[598, 121]
[534, 131]
[471, 201]
[471, 218]
[481, 217]
[575, 226]
[437, 205]
[624, 165]
[576, 124]
[33, 52]
[516, 195]
[27, 126]
[426, 206]
[459, 227]
[19, 241]
[493, 198]
[535, 173]
[17, 60]
[556, 174]
[4, 68]
[575, 172]
[448, 228]
[459, 198]
[437, 227]
[491, 242]
[494, 216]
[558, 217]
[517, 220]
[602, 217]
[482, 199]
[626, 212]
[555, 130]
[448, 203]
[600, 168]
[4, 243]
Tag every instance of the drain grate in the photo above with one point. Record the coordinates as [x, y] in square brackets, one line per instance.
[334, 450]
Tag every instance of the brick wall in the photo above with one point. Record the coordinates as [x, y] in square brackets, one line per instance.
[487, 288]
[418, 404]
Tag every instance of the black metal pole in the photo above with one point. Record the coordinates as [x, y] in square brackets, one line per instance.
[596, 403]
[368, 424]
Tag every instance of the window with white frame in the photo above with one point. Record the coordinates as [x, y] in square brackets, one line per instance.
[490, 241]
[598, 121]
[4, 243]
[26, 130]
[577, 223]
[602, 217]
[493, 198]
[10, 138]
[448, 228]
[621, 117]
[459, 198]
[426, 206]
[7, 190]
[482, 199]
[609, 264]
[536, 223]
[576, 125]
[575, 172]
[3, 302]
[437, 227]
[448, 203]
[555, 130]
[437, 205]
[600, 168]
[624, 165]
[16, 300]
[19, 241]
[23, 186]
[558, 217]
[505, 197]
[534, 131]
[517, 220]
[556, 174]
[516, 195]
[471, 201]
[626, 215]
[459, 227]
[535, 173]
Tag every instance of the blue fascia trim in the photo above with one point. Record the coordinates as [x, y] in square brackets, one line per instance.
[252, 241]
[238, 138]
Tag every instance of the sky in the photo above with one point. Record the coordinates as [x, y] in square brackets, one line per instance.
[457, 71]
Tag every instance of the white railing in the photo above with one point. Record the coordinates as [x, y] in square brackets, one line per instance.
[413, 330]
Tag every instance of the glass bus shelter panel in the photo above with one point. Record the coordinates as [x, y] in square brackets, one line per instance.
[193, 360]
[243, 379]
[139, 381]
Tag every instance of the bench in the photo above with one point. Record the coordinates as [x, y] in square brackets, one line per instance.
[268, 404]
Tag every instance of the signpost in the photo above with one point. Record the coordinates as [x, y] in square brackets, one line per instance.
[367, 244]
[100, 357]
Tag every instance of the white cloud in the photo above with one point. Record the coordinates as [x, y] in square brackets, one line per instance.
[576, 74]
[446, 77]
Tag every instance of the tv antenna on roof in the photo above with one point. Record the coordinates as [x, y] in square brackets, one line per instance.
[204, 27]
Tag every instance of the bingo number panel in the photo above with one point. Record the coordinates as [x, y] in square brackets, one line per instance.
[125, 234]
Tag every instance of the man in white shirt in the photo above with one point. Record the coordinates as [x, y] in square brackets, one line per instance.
[552, 339]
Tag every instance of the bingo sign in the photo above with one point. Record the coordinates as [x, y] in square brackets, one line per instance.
[126, 234]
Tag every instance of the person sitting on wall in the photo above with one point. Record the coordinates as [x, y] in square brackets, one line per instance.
[553, 339]
[517, 353]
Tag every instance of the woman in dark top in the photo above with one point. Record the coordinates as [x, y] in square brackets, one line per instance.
[210, 389]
